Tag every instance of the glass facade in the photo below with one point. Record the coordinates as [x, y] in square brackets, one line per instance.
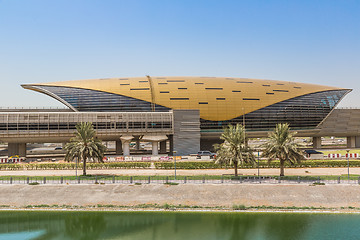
[85, 100]
[301, 112]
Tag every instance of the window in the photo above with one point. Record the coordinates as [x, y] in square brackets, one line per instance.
[214, 88]
[143, 81]
[220, 98]
[276, 90]
[243, 82]
[250, 99]
[164, 91]
[184, 88]
[198, 83]
[123, 84]
[270, 93]
[162, 83]
[266, 85]
[139, 88]
[179, 98]
[236, 91]
[175, 80]
[203, 102]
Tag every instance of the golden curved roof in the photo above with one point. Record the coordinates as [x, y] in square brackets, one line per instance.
[218, 99]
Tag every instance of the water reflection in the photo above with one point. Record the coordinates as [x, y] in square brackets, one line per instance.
[175, 225]
[85, 226]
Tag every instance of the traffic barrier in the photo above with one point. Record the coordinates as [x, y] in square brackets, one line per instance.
[11, 160]
[334, 155]
[351, 155]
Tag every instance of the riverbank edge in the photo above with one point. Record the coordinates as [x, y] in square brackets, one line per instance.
[195, 210]
[229, 197]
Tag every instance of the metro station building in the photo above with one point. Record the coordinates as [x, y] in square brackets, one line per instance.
[190, 112]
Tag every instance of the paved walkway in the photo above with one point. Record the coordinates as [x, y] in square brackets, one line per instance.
[330, 196]
[181, 172]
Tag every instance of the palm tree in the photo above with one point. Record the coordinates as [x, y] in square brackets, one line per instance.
[85, 145]
[281, 145]
[234, 150]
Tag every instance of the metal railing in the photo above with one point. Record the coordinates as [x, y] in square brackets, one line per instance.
[138, 180]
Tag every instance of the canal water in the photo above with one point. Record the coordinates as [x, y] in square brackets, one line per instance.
[42, 225]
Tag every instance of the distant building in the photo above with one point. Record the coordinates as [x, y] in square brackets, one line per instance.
[259, 104]
[181, 115]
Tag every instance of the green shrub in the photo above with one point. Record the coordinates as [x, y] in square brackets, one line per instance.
[239, 207]
[171, 183]
[318, 183]
[34, 183]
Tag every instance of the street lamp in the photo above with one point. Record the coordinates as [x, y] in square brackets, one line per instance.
[348, 165]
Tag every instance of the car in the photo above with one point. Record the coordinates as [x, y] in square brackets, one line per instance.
[58, 148]
[205, 153]
[312, 151]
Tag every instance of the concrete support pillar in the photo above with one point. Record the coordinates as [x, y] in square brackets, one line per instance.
[17, 149]
[155, 142]
[126, 144]
[316, 142]
[126, 148]
[155, 148]
[22, 149]
[171, 144]
[13, 149]
[137, 144]
[353, 142]
[357, 141]
[118, 147]
[163, 147]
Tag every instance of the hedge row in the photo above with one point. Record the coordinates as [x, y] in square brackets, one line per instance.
[262, 164]
[170, 165]
[71, 166]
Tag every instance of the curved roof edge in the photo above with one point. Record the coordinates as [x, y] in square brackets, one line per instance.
[41, 90]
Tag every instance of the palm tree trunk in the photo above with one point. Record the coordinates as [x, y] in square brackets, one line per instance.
[236, 168]
[84, 165]
[282, 167]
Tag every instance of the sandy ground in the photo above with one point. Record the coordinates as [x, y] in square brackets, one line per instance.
[152, 172]
[328, 196]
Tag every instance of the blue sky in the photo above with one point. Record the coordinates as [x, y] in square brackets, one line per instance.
[307, 41]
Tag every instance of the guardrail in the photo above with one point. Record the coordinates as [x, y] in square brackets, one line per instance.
[171, 180]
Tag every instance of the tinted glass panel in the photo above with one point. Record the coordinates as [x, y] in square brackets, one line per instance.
[306, 111]
[85, 100]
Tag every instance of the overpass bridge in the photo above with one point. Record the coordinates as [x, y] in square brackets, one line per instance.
[18, 128]
[179, 128]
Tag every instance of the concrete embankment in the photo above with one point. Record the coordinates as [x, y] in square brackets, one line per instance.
[328, 196]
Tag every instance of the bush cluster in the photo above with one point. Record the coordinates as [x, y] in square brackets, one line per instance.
[187, 165]
[262, 164]
[71, 166]
[170, 165]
